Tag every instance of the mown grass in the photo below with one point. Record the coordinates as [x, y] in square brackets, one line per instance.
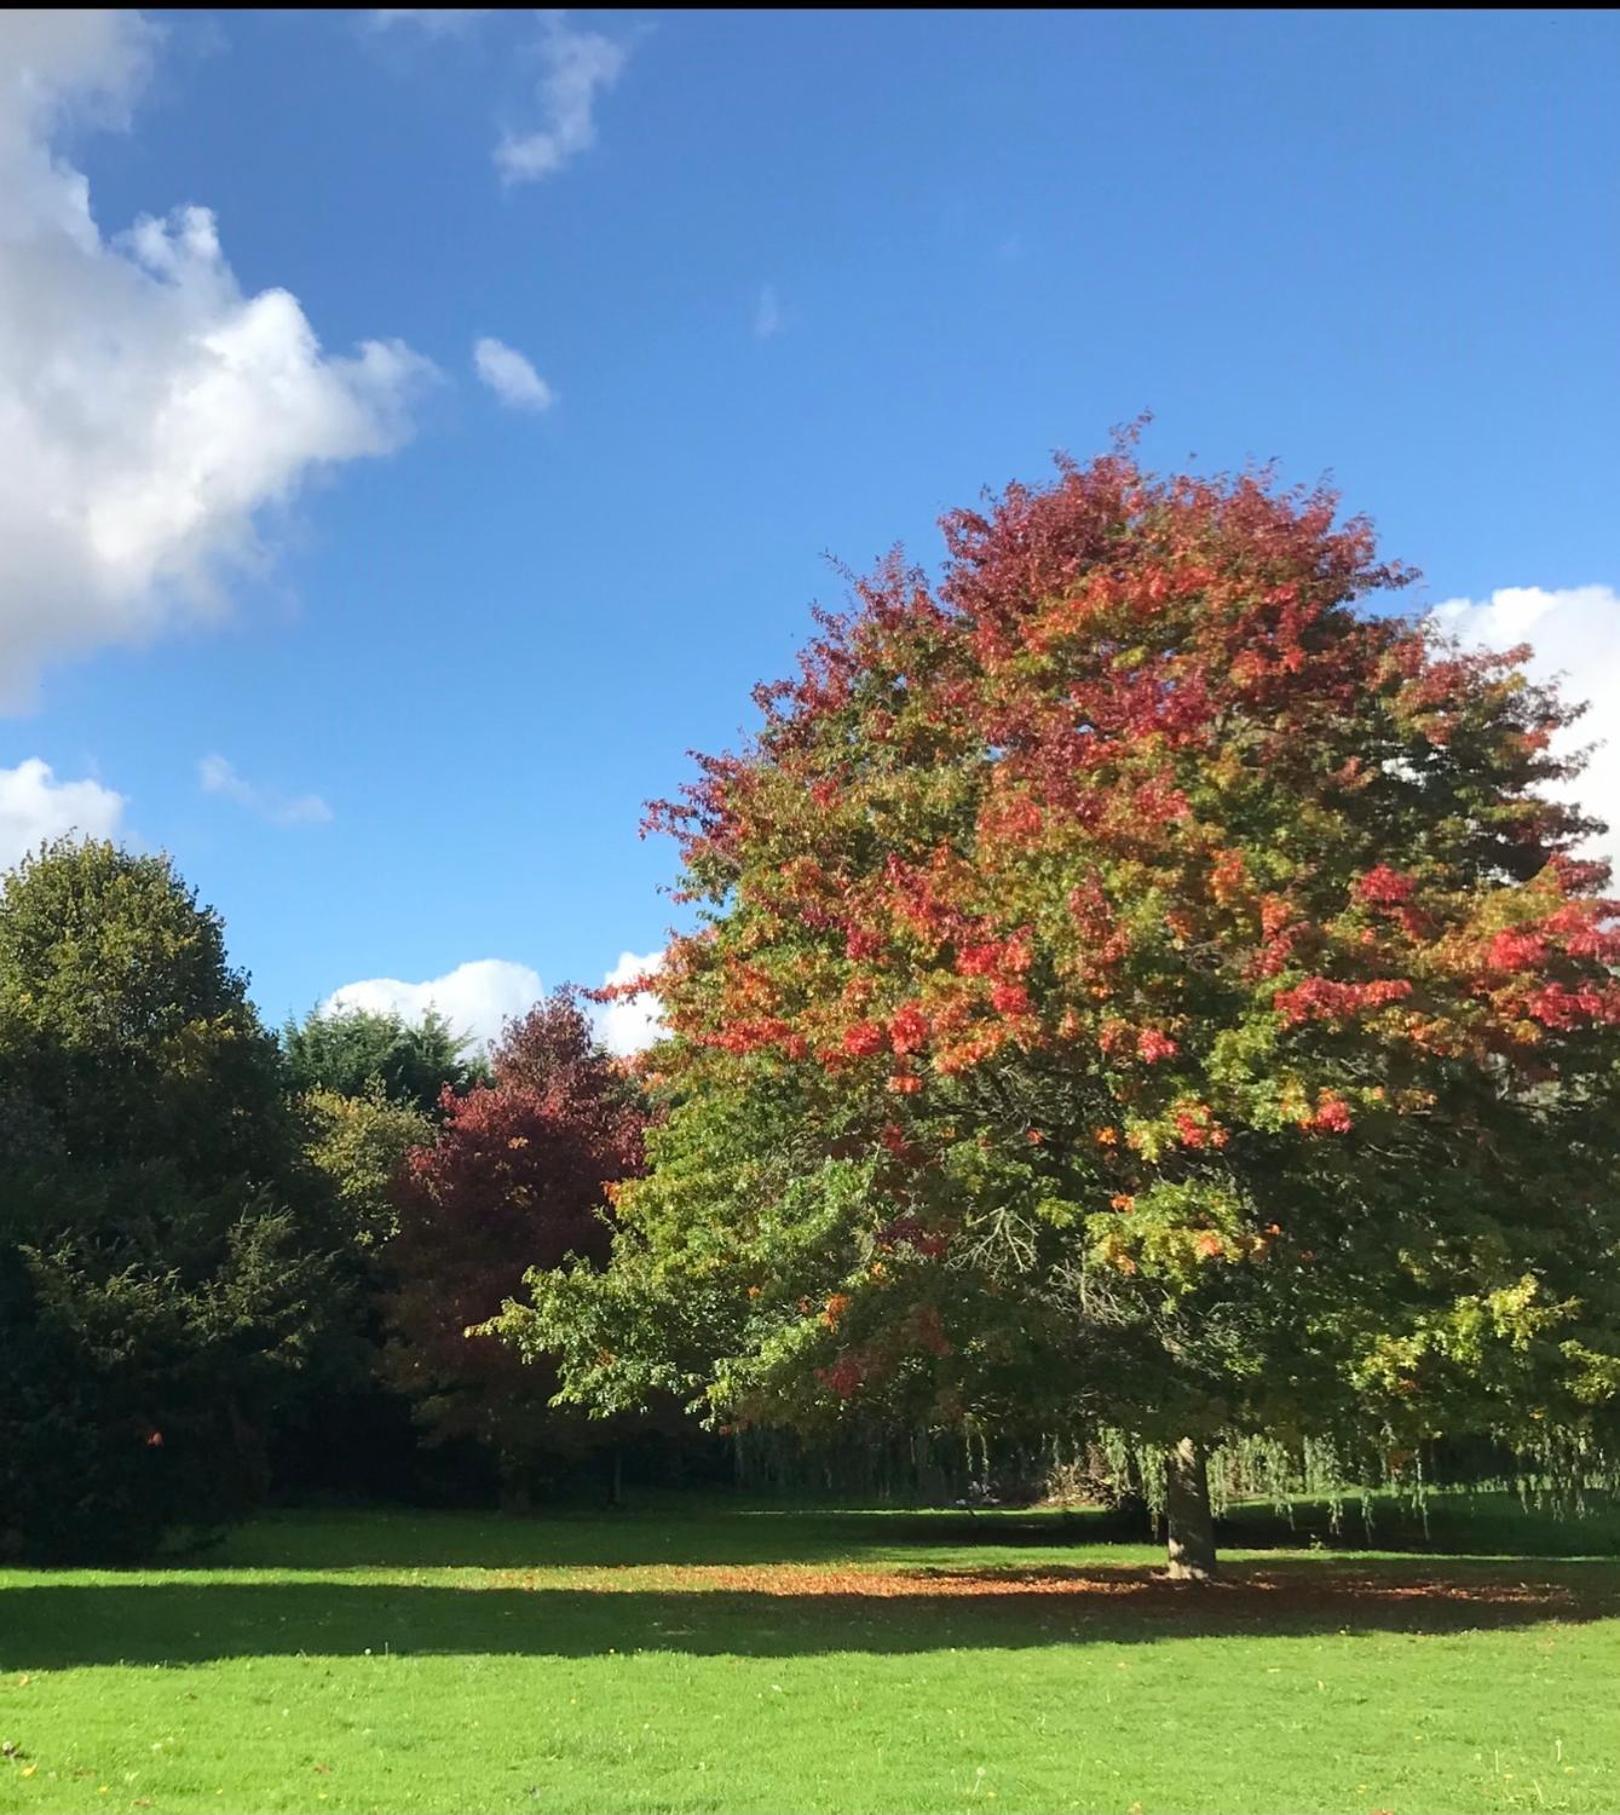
[681, 1658]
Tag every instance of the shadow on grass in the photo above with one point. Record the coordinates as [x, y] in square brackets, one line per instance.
[370, 1539]
[771, 1613]
[726, 1533]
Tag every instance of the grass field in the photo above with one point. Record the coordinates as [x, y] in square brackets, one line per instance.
[725, 1659]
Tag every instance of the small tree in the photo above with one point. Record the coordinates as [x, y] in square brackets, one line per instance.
[1137, 987]
[518, 1178]
[360, 1145]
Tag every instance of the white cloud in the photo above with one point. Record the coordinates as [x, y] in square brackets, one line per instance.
[767, 314]
[476, 999]
[1575, 634]
[216, 776]
[577, 66]
[151, 412]
[510, 376]
[632, 1024]
[34, 806]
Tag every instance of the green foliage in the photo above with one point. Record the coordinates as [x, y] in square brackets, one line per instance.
[161, 1298]
[351, 1050]
[148, 1337]
[358, 1144]
[1137, 988]
[748, 1262]
[123, 1028]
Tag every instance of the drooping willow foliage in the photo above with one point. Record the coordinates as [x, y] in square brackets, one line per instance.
[1349, 1476]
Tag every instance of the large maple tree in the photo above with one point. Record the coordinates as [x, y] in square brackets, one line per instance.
[1141, 981]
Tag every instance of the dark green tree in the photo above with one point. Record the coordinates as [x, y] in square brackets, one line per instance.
[124, 1027]
[348, 1050]
[165, 1267]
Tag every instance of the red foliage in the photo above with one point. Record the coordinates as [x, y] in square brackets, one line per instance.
[1321, 999]
[519, 1177]
[1331, 1116]
[1137, 684]
[1385, 887]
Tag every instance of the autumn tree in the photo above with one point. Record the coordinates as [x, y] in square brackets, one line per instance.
[517, 1178]
[1141, 983]
[165, 1275]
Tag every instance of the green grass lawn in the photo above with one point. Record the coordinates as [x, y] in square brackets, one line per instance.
[677, 1658]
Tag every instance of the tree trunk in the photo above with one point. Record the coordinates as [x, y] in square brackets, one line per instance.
[516, 1487]
[1187, 1514]
[616, 1478]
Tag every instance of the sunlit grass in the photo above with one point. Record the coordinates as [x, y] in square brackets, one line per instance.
[677, 1658]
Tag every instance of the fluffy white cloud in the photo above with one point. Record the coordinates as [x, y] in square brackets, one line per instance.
[576, 67]
[150, 411]
[630, 1025]
[1575, 634]
[476, 999]
[34, 805]
[510, 376]
[767, 314]
[216, 776]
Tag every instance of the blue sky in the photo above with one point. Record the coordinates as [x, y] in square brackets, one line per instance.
[790, 285]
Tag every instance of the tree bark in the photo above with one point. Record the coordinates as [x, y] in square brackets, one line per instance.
[1186, 1505]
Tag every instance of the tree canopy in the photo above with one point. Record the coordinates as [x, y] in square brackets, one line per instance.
[349, 1050]
[122, 1022]
[1141, 982]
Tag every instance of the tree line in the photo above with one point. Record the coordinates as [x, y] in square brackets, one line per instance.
[233, 1265]
[1146, 993]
